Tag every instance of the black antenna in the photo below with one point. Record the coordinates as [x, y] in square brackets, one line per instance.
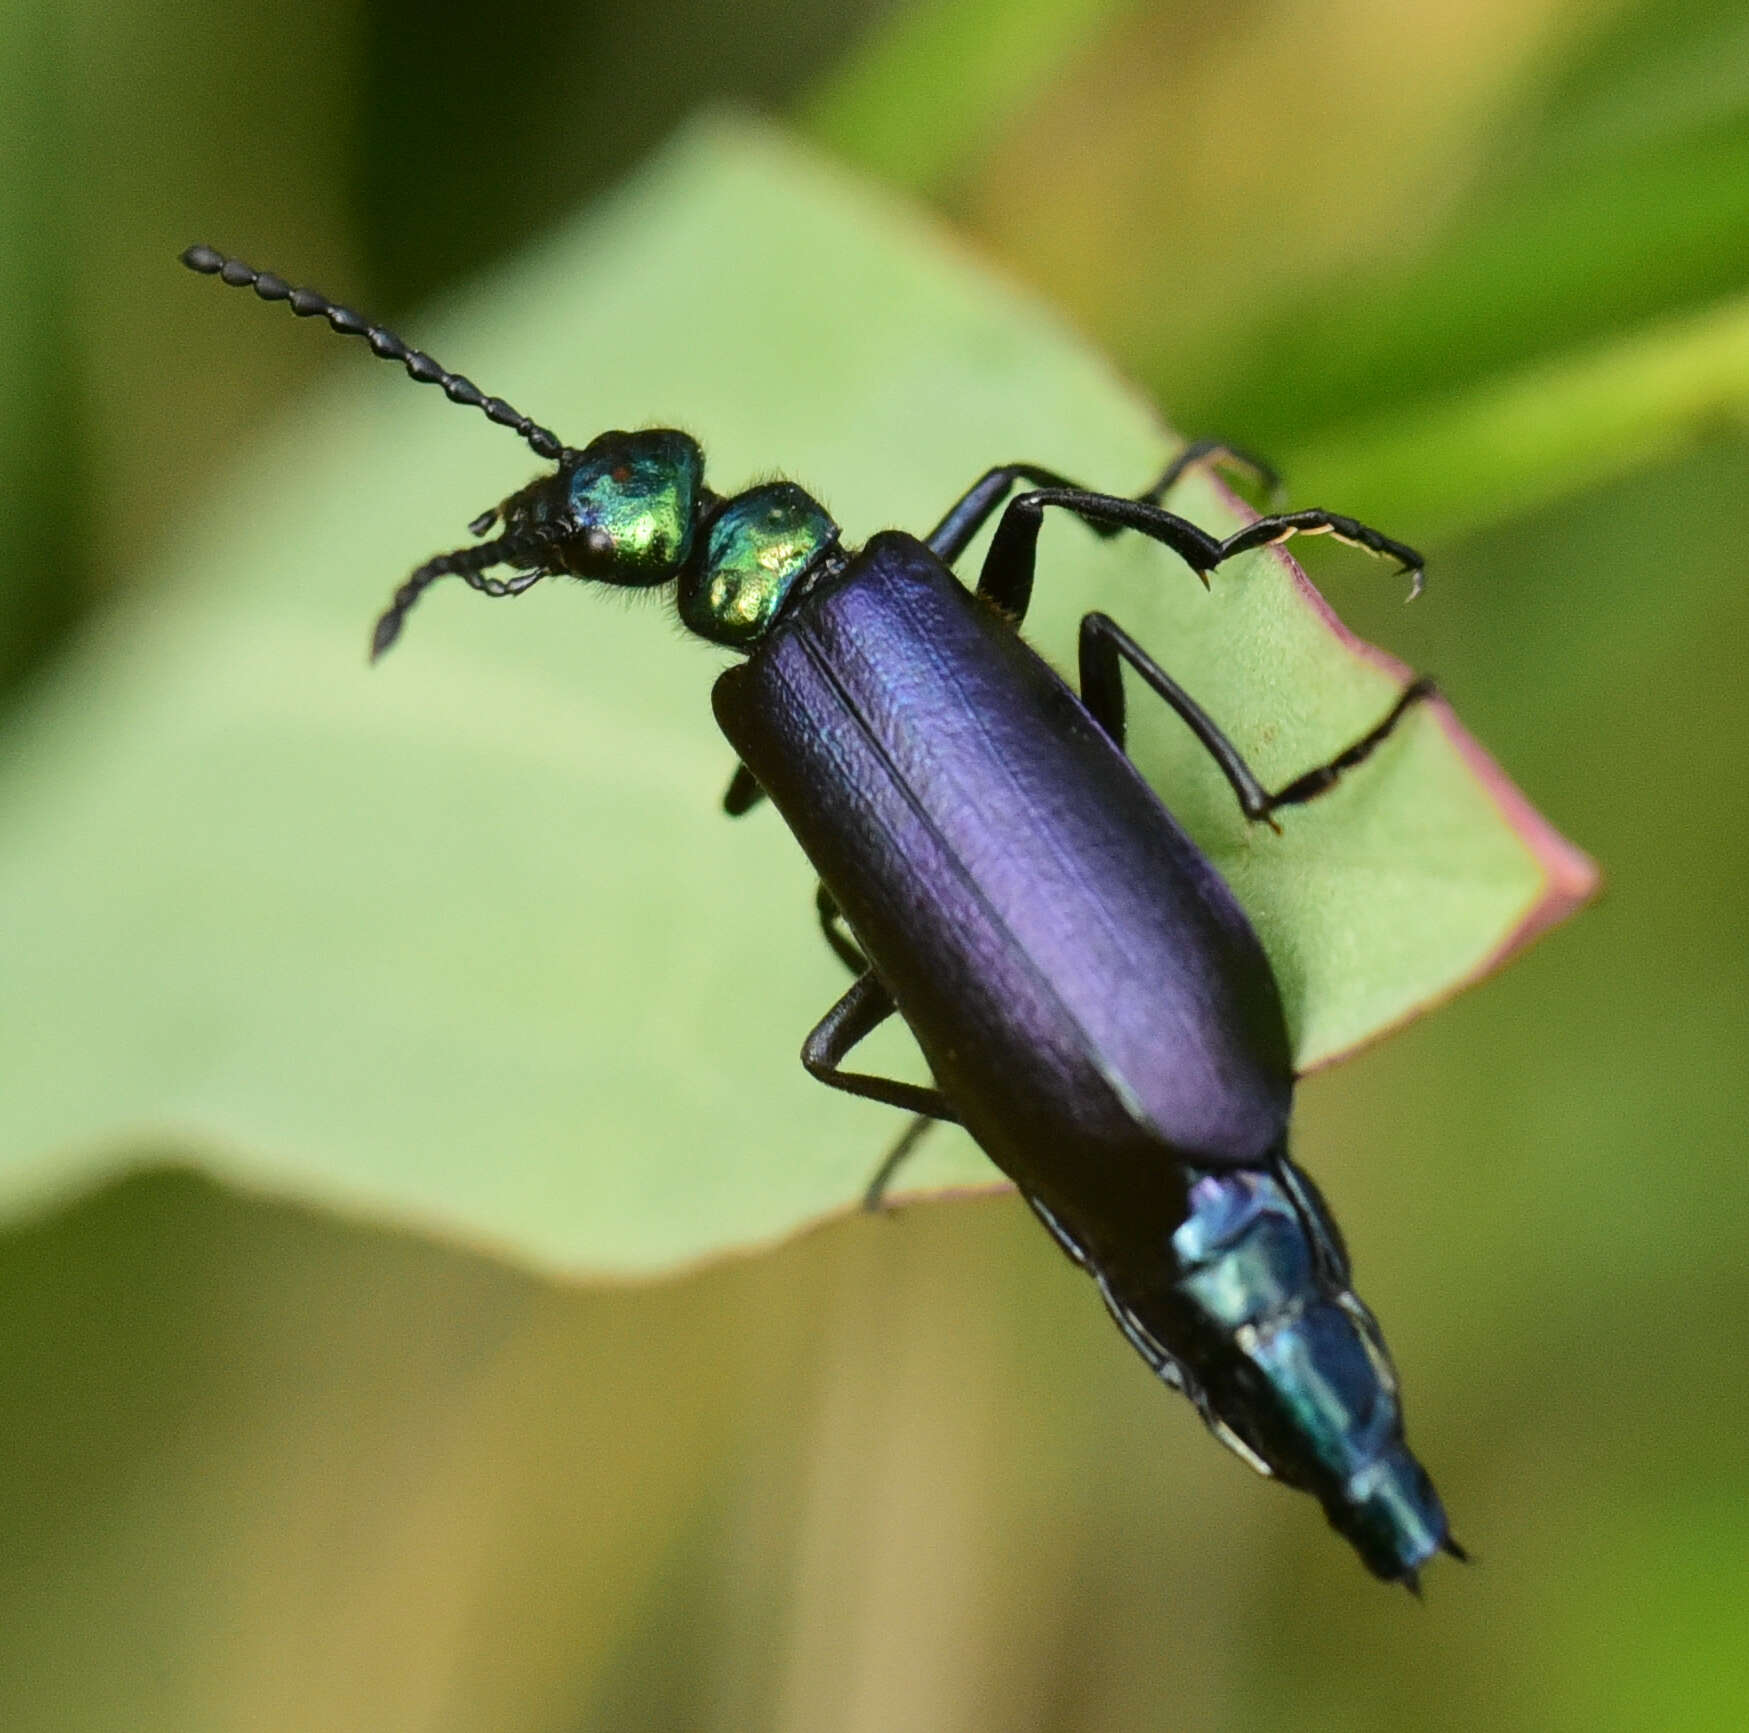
[307, 303]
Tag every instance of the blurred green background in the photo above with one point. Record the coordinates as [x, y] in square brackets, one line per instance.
[1478, 272]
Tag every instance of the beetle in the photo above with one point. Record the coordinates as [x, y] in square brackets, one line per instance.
[1093, 1004]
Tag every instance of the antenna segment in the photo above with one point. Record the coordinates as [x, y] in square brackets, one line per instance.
[308, 304]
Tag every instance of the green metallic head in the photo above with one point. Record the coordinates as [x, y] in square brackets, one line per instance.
[755, 549]
[621, 510]
[626, 509]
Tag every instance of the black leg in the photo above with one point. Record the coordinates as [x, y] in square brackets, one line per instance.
[1104, 643]
[837, 933]
[743, 793]
[849, 953]
[1007, 576]
[861, 1011]
[894, 1159]
[1325, 777]
[1267, 531]
[950, 538]
[1217, 453]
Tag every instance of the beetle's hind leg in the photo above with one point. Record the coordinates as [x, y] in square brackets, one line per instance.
[845, 948]
[1105, 646]
[859, 1013]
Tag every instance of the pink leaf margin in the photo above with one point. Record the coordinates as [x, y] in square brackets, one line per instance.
[1571, 878]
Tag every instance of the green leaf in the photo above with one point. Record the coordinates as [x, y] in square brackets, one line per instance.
[464, 942]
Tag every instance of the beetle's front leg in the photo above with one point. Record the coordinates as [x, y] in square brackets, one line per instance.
[973, 509]
[1006, 579]
[1269, 531]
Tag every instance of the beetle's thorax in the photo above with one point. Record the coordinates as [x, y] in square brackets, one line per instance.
[754, 552]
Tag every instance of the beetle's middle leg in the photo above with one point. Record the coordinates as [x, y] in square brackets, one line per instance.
[1105, 645]
[836, 931]
[1324, 776]
[743, 792]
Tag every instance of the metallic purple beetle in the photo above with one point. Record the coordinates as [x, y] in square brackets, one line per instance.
[1095, 1008]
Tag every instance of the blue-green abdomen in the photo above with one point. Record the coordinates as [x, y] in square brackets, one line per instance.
[1288, 1358]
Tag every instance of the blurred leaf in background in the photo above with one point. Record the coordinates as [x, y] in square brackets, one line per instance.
[1472, 264]
[34, 469]
[1340, 231]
